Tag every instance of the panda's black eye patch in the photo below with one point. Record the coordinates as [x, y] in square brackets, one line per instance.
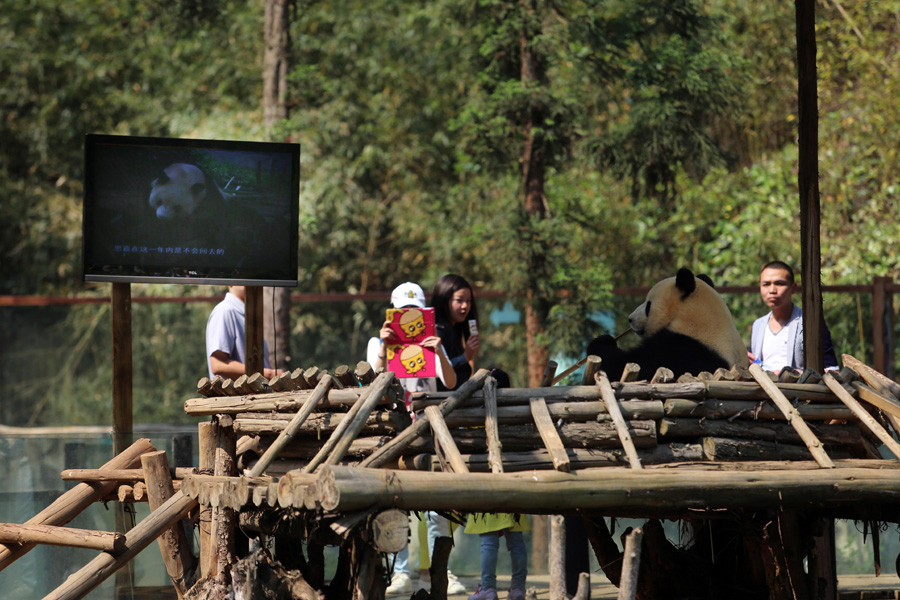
[647, 309]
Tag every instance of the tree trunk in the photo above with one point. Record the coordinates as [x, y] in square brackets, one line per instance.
[277, 328]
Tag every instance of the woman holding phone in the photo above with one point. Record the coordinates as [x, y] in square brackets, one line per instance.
[456, 322]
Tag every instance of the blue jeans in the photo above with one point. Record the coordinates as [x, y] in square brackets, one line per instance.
[437, 526]
[518, 554]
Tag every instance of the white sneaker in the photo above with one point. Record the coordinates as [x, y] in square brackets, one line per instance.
[454, 585]
[400, 584]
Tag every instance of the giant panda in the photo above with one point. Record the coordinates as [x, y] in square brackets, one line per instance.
[683, 325]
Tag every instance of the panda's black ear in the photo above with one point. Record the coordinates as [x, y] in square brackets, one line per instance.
[684, 281]
[706, 278]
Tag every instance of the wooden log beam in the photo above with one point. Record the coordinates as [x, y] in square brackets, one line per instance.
[291, 430]
[73, 502]
[654, 490]
[671, 430]
[792, 416]
[393, 449]
[585, 458]
[725, 390]
[729, 449]
[568, 411]
[601, 434]
[356, 420]
[80, 583]
[749, 409]
[445, 447]
[117, 475]
[13, 534]
[382, 421]
[276, 401]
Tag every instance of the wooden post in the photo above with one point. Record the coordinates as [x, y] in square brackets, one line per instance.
[881, 326]
[491, 430]
[224, 522]
[808, 183]
[253, 328]
[177, 556]
[557, 558]
[631, 565]
[122, 363]
[549, 372]
[207, 444]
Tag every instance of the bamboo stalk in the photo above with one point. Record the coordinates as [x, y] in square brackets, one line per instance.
[793, 417]
[615, 412]
[863, 415]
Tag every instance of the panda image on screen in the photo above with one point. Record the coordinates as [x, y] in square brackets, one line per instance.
[191, 209]
[683, 325]
[181, 190]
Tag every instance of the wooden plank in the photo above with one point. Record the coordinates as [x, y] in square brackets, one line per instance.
[443, 442]
[864, 416]
[612, 406]
[793, 417]
[549, 435]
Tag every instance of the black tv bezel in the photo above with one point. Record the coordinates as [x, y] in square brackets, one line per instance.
[94, 140]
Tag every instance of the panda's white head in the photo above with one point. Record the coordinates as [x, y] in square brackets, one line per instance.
[178, 191]
[690, 306]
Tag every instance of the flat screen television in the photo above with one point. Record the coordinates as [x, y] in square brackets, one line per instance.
[167, 210]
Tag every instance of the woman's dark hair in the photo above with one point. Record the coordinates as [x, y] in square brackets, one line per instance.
[443, 291]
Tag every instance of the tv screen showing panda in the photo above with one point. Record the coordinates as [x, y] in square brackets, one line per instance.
[161, 210]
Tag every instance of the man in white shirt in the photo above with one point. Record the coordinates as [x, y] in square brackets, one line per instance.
[226, 352]
[776, 339]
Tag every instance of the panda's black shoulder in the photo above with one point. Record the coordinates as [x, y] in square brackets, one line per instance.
[678, 352]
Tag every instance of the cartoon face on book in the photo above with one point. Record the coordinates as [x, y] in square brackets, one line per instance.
[407, 358]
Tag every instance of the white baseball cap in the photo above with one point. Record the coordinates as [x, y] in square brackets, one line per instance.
[408, 294]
